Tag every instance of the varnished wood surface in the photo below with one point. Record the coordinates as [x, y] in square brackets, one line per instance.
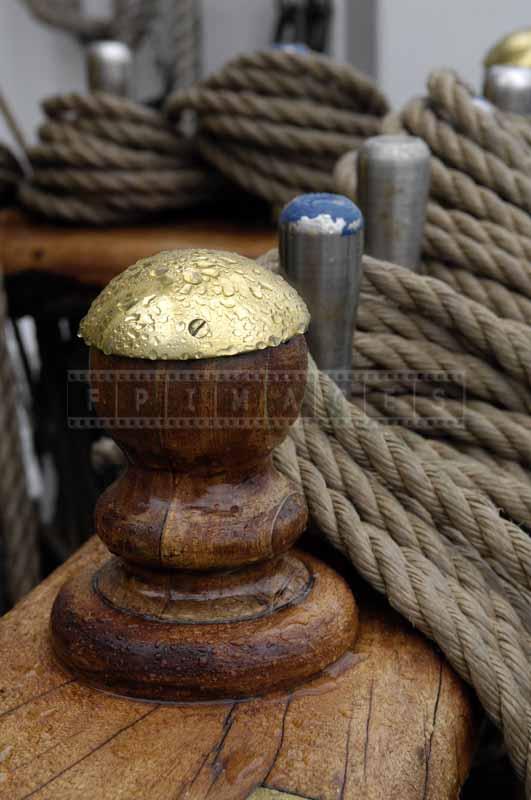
[209, 600]
[95, 255]
[397, 723]
[196, 495]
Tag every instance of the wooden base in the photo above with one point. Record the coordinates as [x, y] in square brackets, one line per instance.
[179, 637]
[398, 723]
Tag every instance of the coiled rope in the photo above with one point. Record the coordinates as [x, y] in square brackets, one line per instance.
[435, 529]
[275, 122]
[103, 159]
[478, 231]
[433, 510]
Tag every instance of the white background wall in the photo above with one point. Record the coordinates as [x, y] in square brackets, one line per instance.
[34, 62]
[415, 36]
[412, 37]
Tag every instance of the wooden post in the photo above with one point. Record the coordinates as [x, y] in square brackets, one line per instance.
[204, 599]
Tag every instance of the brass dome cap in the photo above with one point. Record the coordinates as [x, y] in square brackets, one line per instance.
[513, 49]
[187, 304]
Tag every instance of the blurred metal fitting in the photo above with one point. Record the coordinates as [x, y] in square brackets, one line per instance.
[508, 87]
[110, 68]
[515, 48]
[321, 246]
[393, 185]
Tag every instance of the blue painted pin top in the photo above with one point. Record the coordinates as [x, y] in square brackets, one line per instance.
[327, 206]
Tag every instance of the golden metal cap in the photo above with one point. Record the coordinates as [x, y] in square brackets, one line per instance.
[187, 304]
[513, 49]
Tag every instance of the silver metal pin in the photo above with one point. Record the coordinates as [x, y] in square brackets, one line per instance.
[110, 68]
[508, 87]
[321, 246]
[393, 186]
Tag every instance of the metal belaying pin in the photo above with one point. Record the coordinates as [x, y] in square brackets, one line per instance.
[393, 186]
[109, 68]
[321, 246]
[508, 87]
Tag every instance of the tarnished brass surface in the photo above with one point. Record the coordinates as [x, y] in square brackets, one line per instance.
[512, 49]
[188, 304]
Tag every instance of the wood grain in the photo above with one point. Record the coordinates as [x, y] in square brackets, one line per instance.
[95, 255]
[397, 723]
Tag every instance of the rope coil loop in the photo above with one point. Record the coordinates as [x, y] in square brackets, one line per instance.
[104, 159]
[275, 121]
[478, 233]
[426, 495]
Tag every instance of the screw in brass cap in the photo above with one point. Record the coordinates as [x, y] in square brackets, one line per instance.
[190, 304]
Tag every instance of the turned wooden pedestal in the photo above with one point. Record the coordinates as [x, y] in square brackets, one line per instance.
[205, 598]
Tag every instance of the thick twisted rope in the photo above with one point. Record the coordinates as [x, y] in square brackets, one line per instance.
[507, 434]
[509, 493]
[420, 517]
[428, 537]
[369, 485]
[267, 120]
[104, 159]
[478, 234]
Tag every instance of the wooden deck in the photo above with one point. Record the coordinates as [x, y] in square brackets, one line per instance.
[395, 723]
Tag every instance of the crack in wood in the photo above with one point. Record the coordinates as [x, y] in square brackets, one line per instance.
[347, 752]
[91, 753]
[217, 768]
[208, 755]
[34, 697]
[281, 738]
[367, 732]
[267, 793]
[432, 731]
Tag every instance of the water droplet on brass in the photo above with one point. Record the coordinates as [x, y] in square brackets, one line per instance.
[192, 276]
[233, 304]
